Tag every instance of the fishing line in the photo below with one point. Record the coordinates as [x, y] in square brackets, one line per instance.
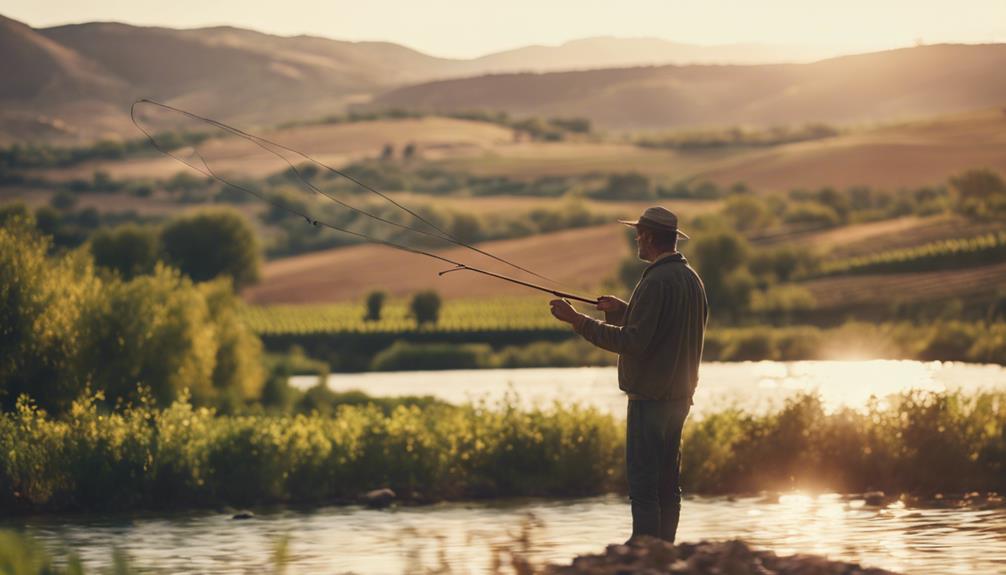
[264, 143]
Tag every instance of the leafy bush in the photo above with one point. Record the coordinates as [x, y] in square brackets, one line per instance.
[210, 244]
[130, 250]
[65, 328]
[425, 307]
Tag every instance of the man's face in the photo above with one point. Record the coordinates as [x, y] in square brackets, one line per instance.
[642, 245]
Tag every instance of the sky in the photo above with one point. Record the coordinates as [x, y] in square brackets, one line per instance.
[471, 28]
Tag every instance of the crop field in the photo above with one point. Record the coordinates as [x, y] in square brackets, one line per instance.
[956, 252]
[579, 259]
[932, 286]
[471, 315]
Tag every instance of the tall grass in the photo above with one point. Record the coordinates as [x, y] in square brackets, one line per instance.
[185, 456]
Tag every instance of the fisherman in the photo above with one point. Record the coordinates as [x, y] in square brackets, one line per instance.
[658, 336]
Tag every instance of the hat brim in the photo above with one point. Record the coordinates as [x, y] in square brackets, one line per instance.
[635, 223]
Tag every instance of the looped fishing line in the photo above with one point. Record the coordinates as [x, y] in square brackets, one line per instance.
[268, 146]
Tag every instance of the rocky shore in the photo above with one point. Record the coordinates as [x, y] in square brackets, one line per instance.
[655, 557]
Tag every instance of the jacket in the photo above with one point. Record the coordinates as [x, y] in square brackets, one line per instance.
[660, 335]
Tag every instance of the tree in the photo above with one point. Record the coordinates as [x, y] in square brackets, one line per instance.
[426, 307]
[979, 193]
[211, 244]
[375, 301]
[40, 304]
[130, 250]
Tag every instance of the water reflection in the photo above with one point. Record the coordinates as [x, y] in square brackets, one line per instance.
[753, 386]
[472, 538]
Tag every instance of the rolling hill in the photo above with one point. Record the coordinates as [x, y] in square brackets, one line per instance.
[74, 83]
[904, 83]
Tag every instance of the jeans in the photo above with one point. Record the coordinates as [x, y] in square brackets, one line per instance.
[653, 464]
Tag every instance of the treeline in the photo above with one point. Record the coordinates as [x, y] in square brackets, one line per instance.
[36, 156]
[68, 327]
[544, 129]
[298, 237]
[183, 456]
[737, 137]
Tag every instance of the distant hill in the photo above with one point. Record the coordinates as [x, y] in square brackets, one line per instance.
[896, 84]
[609, 52]
[74, 83]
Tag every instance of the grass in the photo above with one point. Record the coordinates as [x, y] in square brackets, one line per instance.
[186, 457]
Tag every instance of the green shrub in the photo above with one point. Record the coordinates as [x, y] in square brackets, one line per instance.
[425, 306]
[210, 244]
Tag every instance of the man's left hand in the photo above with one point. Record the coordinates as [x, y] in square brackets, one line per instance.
[564, 311]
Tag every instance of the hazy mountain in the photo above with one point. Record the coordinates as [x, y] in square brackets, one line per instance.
[909, 82]
[76, 82]
[609, 52]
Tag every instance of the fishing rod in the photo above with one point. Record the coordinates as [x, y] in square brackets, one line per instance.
[557, 293]
[264, 143]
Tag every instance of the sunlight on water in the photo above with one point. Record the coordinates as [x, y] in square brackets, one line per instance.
[469, 537]
[752, 386]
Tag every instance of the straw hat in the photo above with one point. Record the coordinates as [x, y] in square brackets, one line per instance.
[660, 218]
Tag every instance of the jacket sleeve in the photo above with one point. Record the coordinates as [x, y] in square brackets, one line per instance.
[640, 323]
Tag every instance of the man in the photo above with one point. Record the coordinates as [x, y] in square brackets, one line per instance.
[658, 337]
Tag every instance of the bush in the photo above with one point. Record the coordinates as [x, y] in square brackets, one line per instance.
[41, 301]
[425, 307]
[64, 329]
[375, 301]
[404, 356]
[129, 250]
[211, 244]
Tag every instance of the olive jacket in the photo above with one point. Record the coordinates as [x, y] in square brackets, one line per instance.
[659, 336]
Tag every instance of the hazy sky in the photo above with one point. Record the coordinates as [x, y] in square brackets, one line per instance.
[468, 28]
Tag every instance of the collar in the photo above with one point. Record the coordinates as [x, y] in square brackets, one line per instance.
[665, 258]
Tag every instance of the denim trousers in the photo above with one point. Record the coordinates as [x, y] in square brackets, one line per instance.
[653, 464]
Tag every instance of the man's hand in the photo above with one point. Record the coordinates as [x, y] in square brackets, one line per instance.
[564, 311]
[610, 303]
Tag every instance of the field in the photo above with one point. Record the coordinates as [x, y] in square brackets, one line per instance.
[578, 259]
[482, 315]
[933, 286]
[913, 153]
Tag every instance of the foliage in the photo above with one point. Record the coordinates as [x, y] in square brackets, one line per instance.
[130, 250]
[375, 301]
[979, 193]
[462, 315]
[41, 302]
[213, 243]
[404, 356]
[739, 137]
[65, 329]
[425, 306]
[943, 254]
[185, 456]
[627, 186]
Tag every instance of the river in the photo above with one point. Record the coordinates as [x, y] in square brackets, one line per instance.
[465, 537]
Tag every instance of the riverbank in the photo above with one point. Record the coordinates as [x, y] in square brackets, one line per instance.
[24, 555]
[187, 457]
[731, 557]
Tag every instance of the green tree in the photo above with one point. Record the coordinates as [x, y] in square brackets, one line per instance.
[979, 193]
[425, 307]
[213, 243]
[40, 303]
[130, 250]
[154, 331]
[375, 301]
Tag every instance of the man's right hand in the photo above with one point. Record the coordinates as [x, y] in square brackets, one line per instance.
[610, 303]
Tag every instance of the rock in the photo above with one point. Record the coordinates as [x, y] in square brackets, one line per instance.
[875, 498]
[378, 498]
[647, 555]
[243, 515]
